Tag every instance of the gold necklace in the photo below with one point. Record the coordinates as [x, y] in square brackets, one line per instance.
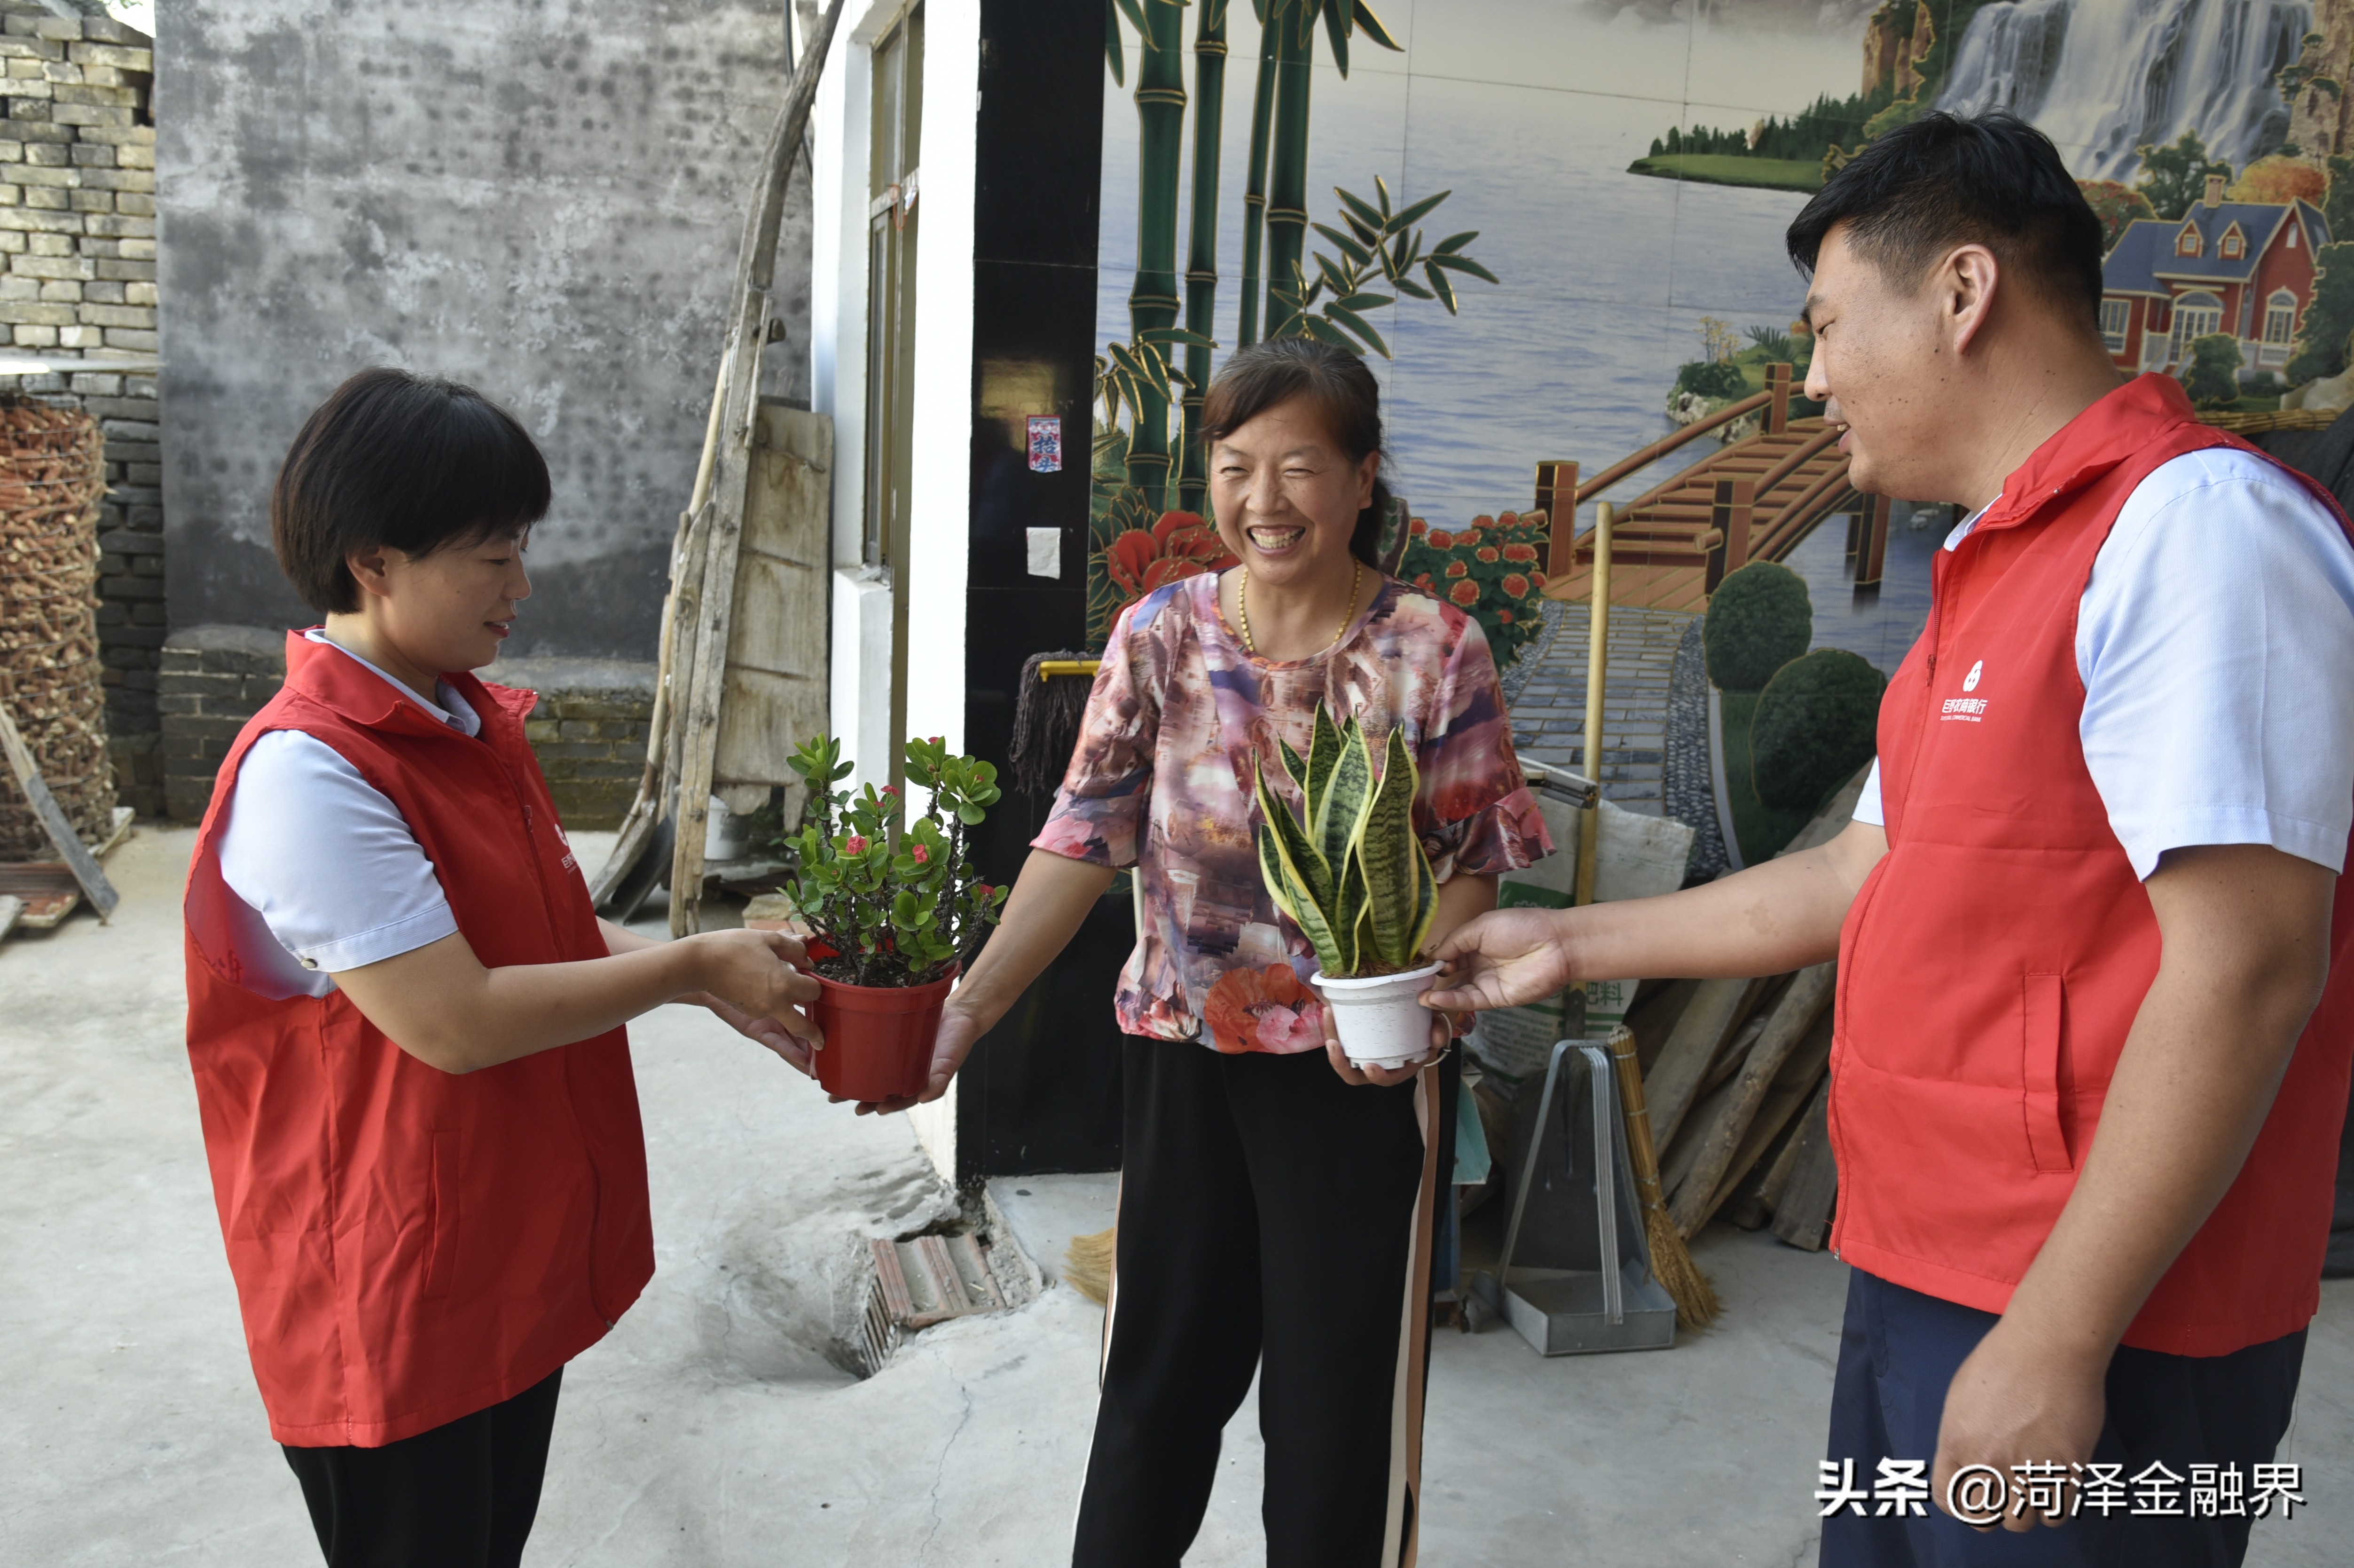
[1242, 605]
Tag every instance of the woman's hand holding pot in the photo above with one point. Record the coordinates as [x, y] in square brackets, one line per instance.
[753, 981]
[950, 1045]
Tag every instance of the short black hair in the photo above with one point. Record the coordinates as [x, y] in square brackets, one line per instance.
[410, 462]
[1945, 180]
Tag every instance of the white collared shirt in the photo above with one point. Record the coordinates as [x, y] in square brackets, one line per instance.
[328, 873]
[2215, 638]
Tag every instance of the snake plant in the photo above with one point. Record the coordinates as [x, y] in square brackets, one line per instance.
[1351, 873]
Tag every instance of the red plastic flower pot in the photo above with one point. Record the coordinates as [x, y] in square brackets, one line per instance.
[878, 1038]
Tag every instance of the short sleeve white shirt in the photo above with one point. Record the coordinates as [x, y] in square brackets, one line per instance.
[2215, 638]
[329, 874]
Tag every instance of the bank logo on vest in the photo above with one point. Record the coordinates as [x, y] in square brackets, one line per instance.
[1969, 710]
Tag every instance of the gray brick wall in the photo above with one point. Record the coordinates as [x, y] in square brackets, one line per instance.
[77, 281]
[588, 731]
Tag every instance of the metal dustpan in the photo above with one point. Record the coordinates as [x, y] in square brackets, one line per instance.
[1616, 1304]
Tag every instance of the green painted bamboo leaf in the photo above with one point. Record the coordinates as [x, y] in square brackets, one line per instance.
[1439, 285]
[1178, 336]
[1215, 17]
[1357, 254]
[1330, 275]
[1356, 323]
[1360, 303]
[1112, 44]
[1370, 25]
[1336, 28]
[1367, 234]
[1464, 264]
[1455, 242]
[1258, 9]
[1323, 331]
[1134, 12]
[1408, 286]
[1407, 218]
[1360, 208]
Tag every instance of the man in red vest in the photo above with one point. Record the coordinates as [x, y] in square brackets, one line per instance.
[404, 1015]
[2091, 1050]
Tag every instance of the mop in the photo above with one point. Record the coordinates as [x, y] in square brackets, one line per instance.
[1047, 709]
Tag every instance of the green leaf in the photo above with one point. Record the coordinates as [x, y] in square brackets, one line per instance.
[1464, 264]
[1135, 14]
[1347, 792]
[1418, 212]
[1336, 28]
[1382, 188]
[1357, 254]
[1358, 324]
[1112, 44]
[1360, 303]
[1291, 896]
[1370, 24]
[1455, 242]
[1361, 210]
[1438, 284]
[1323, 756]
[1391, 854]
[1293, 764]
[1325, 332]
[1177, 334]
[1369, 234]
[1408, 286]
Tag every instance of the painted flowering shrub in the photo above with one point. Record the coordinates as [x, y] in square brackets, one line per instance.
[1489, 568]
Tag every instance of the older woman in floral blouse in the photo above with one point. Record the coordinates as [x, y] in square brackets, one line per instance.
[1269, 1203]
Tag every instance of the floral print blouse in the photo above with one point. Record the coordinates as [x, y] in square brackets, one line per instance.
[1163, 778]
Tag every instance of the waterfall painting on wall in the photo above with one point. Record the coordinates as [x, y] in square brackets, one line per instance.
[1555, 231]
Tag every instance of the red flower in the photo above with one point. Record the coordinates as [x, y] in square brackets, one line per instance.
[1465, 593]
[921, 854]
[1471, 535]
[1520, 552]
[1417, 527]
[1441, 539]
[1503, 617]
[857, 844]
[1516, 586]
[1455, 569]
[982, 890]
[1422, 579]
[1487, 554]
[1508, 519]
[1538, 578]
[1263, 1010]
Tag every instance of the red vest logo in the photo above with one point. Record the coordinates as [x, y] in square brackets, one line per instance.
[1969, 710]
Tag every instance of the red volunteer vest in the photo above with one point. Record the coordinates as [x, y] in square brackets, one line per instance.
[1996, 958]
[412, 1245]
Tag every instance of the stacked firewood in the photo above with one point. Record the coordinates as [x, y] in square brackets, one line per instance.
[52, 474]
[1737, 1076]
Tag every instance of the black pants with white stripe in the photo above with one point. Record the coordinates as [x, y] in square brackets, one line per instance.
[1272, 1218]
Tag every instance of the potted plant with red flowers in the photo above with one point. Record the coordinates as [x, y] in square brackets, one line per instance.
[892, 908]
[1489, 570]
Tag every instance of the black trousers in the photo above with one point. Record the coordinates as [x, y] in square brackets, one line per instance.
[462, 1495]
[1274, 1219]
[1899, 1350]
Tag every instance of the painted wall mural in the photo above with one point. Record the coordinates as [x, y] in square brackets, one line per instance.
[1555, 229]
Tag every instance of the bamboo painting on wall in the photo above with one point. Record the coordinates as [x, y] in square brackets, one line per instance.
[1553, 227]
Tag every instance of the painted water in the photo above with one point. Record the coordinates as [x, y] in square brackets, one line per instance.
[1529, 112]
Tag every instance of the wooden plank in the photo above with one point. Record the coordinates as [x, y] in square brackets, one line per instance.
[43, 911]
[1802, 1207]
[1655, 1017]
[1792, 1088]
[1808, 994]
[53, 822]
[777, 691]
[703, 678]
[1715, 1011]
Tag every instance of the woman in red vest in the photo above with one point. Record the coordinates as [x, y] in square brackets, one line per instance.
[404, 1015]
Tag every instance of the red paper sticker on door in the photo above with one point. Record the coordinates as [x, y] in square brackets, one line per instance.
[1046, 443]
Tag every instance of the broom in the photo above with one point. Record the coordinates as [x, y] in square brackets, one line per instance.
[1087, 1266]
[1671, 1262]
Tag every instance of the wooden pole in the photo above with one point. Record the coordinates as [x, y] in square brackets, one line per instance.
[52, 819]
[1597, 659]
[1557, 499]
[1777, 385]
[1870, 560]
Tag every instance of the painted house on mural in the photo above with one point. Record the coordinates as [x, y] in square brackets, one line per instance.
[2236, 267]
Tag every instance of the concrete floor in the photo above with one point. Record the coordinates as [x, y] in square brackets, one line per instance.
[712, 1428]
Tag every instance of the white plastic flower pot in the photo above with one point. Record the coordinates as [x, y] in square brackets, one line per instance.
[1380, 1019]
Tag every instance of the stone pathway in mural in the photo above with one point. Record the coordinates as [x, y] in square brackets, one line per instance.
[1549, 708]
